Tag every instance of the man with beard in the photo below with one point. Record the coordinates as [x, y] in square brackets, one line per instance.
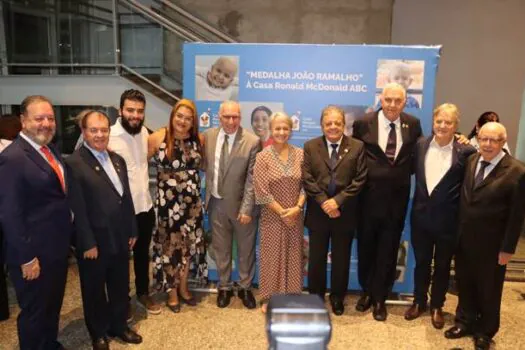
[129, 139]
[36, 220]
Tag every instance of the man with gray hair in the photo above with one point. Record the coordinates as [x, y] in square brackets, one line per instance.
[230, 156]
[390, 136]
[491, 220]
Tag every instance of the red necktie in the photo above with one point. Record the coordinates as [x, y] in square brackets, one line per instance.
[54, 165]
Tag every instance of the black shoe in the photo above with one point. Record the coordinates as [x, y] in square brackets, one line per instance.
[414, 311]
[338, 306]
[175, 308]
[379, 311]
[482, 343]
[456, 332]
[190, 302]
[247, 298]
[224, 298]
[127, 336]
[364, 303]
[100, 344]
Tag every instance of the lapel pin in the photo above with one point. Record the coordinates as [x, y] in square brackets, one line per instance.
[404, 125]
[97, 168]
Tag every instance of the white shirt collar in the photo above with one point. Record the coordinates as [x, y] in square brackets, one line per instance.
[31, 142]
[95, 152]
[496, 159]
[444, 148]
[230, 136]
[386, 122]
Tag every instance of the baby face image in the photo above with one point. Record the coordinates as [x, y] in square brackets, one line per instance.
[222, 73]
[401, 74]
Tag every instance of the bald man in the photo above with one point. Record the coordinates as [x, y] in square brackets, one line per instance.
[491, 219]
[230, 156]
[390, 136]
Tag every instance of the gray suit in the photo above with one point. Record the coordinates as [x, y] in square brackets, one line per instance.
[237, 198]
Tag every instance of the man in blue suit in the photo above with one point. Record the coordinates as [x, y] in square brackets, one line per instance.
[36, 220]
[439, 168]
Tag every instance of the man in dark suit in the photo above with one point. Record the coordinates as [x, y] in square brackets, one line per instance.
[440, 166]
[389, 136]
[106, 230]
[36, 219]
[491, 219]
[334, 172]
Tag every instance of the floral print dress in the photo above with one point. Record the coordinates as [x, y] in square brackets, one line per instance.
[179, 238]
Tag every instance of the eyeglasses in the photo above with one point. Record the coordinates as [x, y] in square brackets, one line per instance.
[489, 140]
[232, 117]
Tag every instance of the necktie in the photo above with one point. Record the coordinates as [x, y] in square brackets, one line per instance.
[52, 161]
[390, 150]
[481, 173]
[225, 153]
[333, 162]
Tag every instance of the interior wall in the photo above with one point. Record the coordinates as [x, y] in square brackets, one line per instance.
[483, 59]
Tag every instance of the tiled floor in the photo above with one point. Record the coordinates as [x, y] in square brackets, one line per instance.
[207, 327]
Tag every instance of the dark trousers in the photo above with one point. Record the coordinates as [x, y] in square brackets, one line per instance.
[377, 247]
[40, 301]
[427, 246]
[4, 303]
[341, 243]
[103, 312]
[480, 285]
[141, 256]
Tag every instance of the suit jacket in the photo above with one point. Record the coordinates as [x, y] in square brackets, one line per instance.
[350, 176]
[103, 218]
[34, 210]
[492, 215]
[438, 212]
[238, 185]
[387, 189]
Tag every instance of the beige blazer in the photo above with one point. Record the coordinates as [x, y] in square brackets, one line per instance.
[238, 185]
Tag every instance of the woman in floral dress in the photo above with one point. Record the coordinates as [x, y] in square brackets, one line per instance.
[179, 247]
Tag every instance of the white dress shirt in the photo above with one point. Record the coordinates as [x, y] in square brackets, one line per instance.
[38, 147]
[329, 145]
[218, 148]
[384, 129]
[134, 150]
[492, 164]
[3, 144]
[438, 161]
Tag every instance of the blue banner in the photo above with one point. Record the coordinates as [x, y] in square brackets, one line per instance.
[301, 80]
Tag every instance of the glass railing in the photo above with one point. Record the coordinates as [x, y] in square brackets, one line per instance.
[140, 40]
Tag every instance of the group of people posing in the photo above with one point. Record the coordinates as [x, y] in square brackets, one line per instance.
[467, 203]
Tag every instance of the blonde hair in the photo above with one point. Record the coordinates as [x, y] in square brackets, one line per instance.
[448, 108]
[277, 115]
